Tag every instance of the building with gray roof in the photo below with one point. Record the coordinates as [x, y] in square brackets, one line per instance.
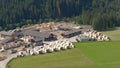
[71, 33]
[6, 40]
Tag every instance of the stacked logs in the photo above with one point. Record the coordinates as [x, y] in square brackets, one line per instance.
[97, 35]
[49, 47]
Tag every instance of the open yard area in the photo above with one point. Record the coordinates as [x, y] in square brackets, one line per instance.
[85, 55]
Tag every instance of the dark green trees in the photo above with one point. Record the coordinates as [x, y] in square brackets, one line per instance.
[101, 14]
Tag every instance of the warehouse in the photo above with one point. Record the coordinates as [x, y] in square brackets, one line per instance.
[71, 33]
[6, 40]
[39, 36]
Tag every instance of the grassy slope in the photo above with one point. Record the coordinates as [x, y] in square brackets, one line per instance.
[113, 34]
[85, 55]
[103, 54]
[96, 50]
[53, 60]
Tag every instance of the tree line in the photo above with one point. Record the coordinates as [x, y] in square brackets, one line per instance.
[101, 14]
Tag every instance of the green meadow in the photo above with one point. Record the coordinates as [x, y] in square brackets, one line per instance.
[114, 34]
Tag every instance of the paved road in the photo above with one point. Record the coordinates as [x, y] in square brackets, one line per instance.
[4, 62]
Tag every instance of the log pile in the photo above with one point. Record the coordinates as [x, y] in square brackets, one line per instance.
[2, 57]
[48, 47]
[97, 35]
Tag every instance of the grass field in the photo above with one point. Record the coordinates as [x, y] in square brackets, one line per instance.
[85, 55]
[113, 34]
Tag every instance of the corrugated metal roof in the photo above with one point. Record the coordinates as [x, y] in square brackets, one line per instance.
[38, 39]
[6, 40]
[72, 31]
[32, 29]
[36, 33]
[9, 33]
[67, 28]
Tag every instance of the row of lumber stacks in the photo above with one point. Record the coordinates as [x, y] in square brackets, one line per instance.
[46, 26]
[13, 45]
[2, 57]
[97, 36]
[48, 47]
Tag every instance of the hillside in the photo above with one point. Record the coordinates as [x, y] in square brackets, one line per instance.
[101, 14]
[113, 34]
[85, 55]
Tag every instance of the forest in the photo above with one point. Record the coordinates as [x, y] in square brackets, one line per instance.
[101, 14]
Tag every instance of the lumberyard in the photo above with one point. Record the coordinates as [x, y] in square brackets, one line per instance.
[45, 38]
